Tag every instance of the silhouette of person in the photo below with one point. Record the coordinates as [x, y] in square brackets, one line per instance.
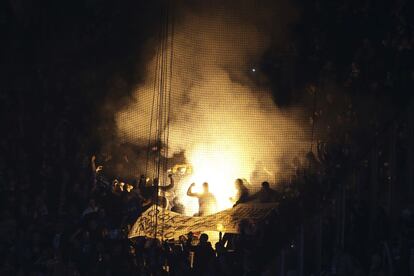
[266, 194]
[203, 255]
[206, 201]
[242, 195]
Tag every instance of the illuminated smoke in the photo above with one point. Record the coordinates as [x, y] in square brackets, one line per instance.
[227, 126]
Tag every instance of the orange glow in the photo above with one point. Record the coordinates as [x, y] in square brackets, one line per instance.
[227, 126]
[218, 165]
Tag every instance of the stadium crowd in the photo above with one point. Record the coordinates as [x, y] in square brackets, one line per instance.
[68, 221]
[91, 236]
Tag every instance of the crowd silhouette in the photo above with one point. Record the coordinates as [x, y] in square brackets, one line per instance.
[346, 208]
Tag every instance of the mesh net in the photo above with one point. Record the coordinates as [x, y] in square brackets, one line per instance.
[205, 111]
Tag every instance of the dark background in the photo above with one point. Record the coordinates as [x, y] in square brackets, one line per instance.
[67, 65]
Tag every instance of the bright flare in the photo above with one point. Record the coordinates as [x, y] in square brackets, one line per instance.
[218, 165]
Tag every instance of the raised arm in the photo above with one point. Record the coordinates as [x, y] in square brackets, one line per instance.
[189, 192]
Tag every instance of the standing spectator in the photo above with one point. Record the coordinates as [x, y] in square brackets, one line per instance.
[206, 201]
[203, 256]
[242, 195]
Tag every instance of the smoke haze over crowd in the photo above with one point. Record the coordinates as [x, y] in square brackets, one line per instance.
[224, 121]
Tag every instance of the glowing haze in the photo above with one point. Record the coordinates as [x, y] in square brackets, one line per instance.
[227, 127]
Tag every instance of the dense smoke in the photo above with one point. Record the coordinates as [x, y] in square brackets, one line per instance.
[220, 116]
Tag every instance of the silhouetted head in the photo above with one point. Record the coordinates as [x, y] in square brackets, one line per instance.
[265, 185]
[203, 238]
[238, 183]
[205, 187]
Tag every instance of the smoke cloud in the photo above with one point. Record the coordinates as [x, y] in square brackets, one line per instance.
[219, 113]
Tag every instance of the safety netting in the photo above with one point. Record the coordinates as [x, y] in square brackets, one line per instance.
[206, 110]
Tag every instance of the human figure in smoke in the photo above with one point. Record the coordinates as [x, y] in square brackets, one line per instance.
[206, 201]
[142, 183]
[266, 194]
[166, 193]
[242, 194]
[157, 193]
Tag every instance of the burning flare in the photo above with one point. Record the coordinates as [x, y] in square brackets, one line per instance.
[218, 166]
